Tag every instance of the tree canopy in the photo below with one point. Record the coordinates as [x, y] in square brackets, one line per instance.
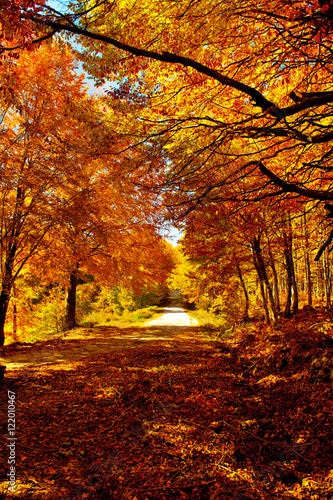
[212, 103]
[63, 184]
[214, 115]
[230, 89]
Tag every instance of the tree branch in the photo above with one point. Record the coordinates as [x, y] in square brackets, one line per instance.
[170, 58]
[316, 99]
[325, 245]
[306, 101]
[289, 187]
[37, 40]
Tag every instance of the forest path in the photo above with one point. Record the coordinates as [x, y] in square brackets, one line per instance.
[81, 343]
[174, 326]
[174, 315]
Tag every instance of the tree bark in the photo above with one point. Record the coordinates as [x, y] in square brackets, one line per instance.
[328, 283]
[291, 306]
[4, 299]
[14, 313]
[70, 319]
[262, 291]
[261, 270]
[275, 280]
[8, 278]
[308, 275]
[246, 295]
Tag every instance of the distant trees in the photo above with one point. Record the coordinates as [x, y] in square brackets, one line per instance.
[262, 258]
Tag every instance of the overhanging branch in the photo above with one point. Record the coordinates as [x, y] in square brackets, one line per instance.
[289, 187]
[36, 40]
[324, 246]
[168, 57]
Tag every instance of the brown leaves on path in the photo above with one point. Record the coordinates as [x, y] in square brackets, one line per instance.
[178, 417]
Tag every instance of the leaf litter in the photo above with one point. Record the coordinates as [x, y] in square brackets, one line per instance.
[185, 417]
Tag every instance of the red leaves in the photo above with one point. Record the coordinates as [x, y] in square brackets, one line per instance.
[180, 421]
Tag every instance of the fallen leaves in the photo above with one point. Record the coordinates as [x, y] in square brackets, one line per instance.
[176, 419]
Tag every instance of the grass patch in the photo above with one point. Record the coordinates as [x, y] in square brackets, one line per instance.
[214, 326]
[127, 318]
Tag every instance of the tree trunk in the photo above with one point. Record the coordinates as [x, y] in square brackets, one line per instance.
[287, 309]
[246, 295]
[320, 279]
[308, 275]
[14, 313]
[294, 307]
[7, 284]
[261, 270]
[70, 319]
[263, 295]
[4, 301]
[275, 281]
[328, 283]
[10, 250]
[309, 285]
[291, 306]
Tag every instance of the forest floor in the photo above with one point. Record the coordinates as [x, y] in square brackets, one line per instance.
[82, 342]
[168, 413]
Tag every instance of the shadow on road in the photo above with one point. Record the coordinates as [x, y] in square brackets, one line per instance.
[174, 326]
[98, 340]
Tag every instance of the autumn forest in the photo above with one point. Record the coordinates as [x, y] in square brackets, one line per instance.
[123, 123]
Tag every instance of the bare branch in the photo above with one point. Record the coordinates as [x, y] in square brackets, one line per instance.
[37, 40]
[325, 245]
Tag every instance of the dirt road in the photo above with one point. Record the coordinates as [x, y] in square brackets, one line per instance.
[173, 316]
[84, 342]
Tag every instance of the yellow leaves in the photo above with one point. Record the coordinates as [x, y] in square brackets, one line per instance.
[309, 483]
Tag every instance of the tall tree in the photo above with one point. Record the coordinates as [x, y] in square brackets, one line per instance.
[48, 133]
[117, 242]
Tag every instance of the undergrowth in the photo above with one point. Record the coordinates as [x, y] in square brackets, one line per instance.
[104, 318]
[220, 324]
